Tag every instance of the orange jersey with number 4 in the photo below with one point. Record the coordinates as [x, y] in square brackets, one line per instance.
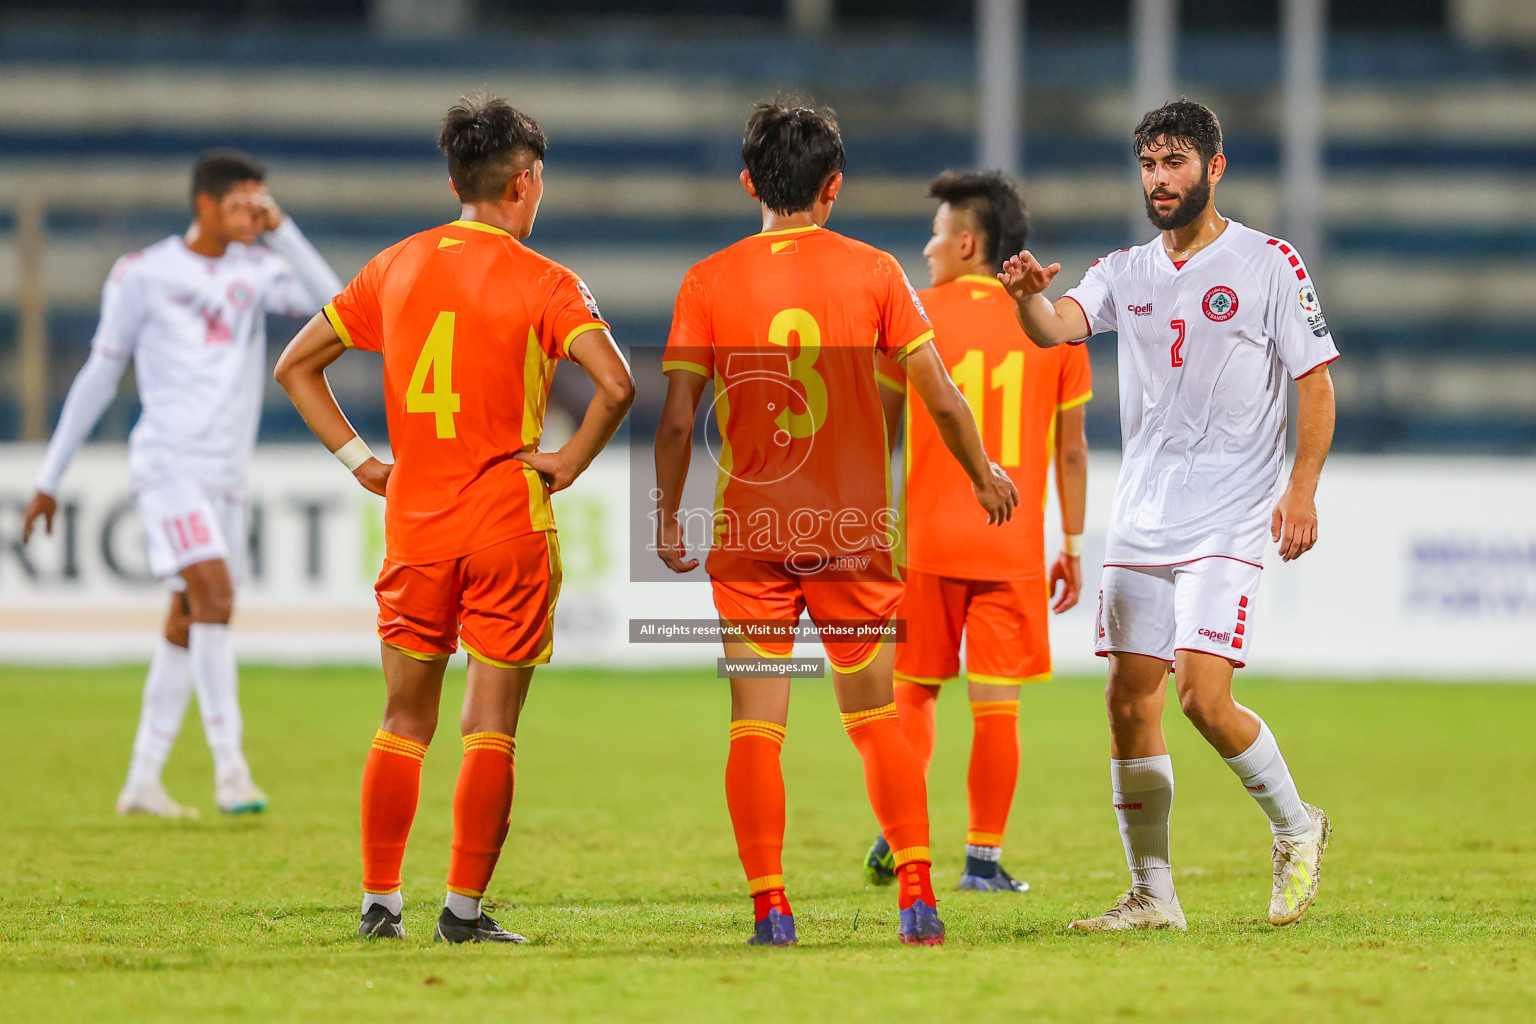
[470, 323]
[787, 324]
[1015, 390]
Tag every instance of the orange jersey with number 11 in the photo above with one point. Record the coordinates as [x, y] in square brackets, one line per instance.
[470, 323]
[1015, 390]
[787, 325]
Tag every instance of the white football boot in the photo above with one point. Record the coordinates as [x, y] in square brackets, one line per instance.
[1298, 866]
[151, 798]
[1135, 910]
[237, 794]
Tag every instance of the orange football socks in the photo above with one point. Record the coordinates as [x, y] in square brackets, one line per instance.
[482, 810]
[915, 703]
[391, 788]
[994, 769]
[754, 792]
[898, 795]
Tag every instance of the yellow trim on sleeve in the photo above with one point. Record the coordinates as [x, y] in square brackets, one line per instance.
[913, 345]
[418, 655]
[337, 326]
[475, 225]
[596, 325]
[890, 382]
[668, 365]
[1073, 403]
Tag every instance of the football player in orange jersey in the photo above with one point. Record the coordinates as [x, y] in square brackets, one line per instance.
[470, 324]
[990, 586]
[785, 324]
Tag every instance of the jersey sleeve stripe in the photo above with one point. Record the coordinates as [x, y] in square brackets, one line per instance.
[1319, 366]
[596, 325]
[336, 324]
[668, 365]
[890, 382]
[913, 345]
[1073, 403]
[1080, 308]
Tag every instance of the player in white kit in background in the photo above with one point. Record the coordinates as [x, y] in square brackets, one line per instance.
[190, 311]
[1213, 317]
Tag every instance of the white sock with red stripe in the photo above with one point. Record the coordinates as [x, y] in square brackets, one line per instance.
[1264, 774]
[1143, 794]
[167, 690]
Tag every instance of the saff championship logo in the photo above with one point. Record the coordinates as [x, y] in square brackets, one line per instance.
[1312, 310]
[1220, 304]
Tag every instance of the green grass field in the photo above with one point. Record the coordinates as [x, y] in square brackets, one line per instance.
[621, 870]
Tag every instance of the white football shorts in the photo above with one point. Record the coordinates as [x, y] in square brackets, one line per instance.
[186, 522]
[1204, 605]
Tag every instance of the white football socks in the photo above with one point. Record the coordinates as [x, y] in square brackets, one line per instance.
[394, 902]
[1143, 794]
[217, 681]
[465, 908]
[1263, 772]
[167, 689]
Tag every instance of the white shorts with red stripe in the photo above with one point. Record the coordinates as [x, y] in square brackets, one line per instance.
[1204, 605]
[186, 522]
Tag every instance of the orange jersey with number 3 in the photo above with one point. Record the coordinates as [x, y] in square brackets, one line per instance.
[787, 324]
[470, 323]
[1015, 390]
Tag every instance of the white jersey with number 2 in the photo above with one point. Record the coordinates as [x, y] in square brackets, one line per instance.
[1206, 354]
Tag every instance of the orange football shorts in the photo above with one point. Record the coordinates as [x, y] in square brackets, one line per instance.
[852, 591]
[500, 601]
[1004, 621]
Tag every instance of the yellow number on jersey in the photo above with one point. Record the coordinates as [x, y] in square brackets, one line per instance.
[969, 375]
[436, 357]
[802, 368]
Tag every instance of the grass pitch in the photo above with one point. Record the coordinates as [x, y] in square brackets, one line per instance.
[621, 870]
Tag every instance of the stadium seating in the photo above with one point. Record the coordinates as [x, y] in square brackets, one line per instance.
[1431, 238]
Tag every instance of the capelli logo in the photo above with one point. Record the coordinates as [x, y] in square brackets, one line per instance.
[1128, 807]
[1220, 638]
[1140, 310]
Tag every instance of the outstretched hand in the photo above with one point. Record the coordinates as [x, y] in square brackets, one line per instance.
[1023, 275]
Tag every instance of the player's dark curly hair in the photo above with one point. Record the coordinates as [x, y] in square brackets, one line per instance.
[488, 142]
[791, 150]
[219, 170]
[993, 205]
[1184, 124]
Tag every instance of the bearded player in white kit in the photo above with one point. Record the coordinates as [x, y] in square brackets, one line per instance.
[190, 311]
[1212, 318]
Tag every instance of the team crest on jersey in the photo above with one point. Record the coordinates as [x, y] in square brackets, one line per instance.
[1312, 310]
[1220, 304]
[240, 295]
[586, 296]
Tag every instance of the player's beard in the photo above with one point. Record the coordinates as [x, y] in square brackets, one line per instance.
[1191, 205]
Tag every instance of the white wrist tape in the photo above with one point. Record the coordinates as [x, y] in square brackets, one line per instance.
[1072, 544]
[354, 453]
